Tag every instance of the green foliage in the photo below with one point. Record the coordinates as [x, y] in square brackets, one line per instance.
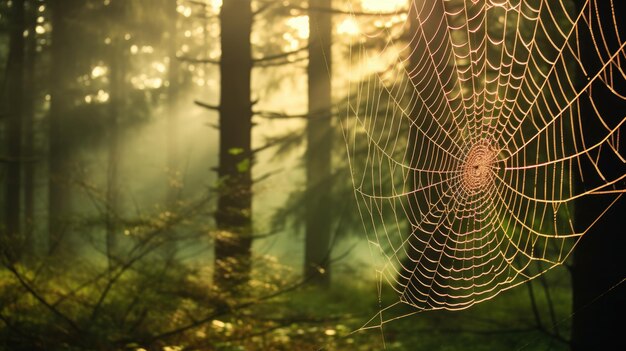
[157, 305]
[235, 151]
[243, 165]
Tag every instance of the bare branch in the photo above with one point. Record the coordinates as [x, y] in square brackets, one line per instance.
[344, 12]
[260, 62]
[281, 63]
[280, 56]
[42, 300]
[207, 106]
[282, 115]
[225, 310]
[198, 60]
[264, 8]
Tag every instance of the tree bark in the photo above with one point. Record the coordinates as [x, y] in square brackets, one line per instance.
[233, 242]
[319, 146]
[14, 100]
[599, 263]
[173, 171]
[29, 130]
[116, 106]
[173, 186]
[61, 103]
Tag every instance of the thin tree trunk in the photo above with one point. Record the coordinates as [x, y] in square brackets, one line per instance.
[14, 89]
[173, 172]
[29, 130]
[546, 290]
[116, 104]
[319, 146]
[233, 243]
[599, 264]
[60, 105]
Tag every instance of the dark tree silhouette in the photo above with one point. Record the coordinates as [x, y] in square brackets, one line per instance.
[30, 56]
[117, 60]
[234, 205]
[173, 176]
[319, 149]
[599, 264]
[172, 107]
[14, 100]
[64, 45]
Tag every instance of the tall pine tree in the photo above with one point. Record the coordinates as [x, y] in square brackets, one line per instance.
[319, 144]
[233, 243]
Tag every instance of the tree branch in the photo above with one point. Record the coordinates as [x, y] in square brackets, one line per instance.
[207, 106]
[223, 311]
[344, 12]
[281, 63]
[259, 61]
[42, 300]
[279, 56]
[198, 60]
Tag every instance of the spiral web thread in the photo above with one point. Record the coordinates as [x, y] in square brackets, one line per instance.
[466, 150]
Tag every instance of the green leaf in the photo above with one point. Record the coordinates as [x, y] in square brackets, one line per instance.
[235, 151]
[243, 166]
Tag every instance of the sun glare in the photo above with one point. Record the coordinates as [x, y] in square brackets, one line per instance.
[301, 25]
[349, 26]
[216, 4]
[383, 5]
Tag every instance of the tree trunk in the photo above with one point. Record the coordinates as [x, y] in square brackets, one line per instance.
[233, 242]
[29, 130]
[599, 264]
[173, 172]
[61, 80]
[117, 108]
[116, 105]
[14, 90]
[319, 145]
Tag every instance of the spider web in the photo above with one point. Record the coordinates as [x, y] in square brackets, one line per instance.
[469, 149]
